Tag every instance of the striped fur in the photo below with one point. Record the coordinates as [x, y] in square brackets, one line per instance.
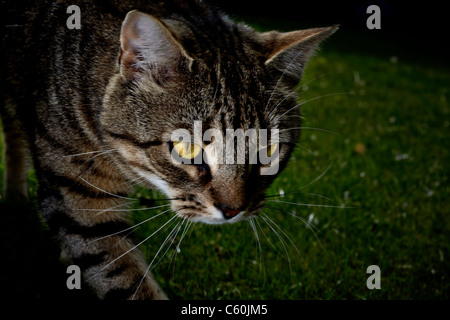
[110, 87]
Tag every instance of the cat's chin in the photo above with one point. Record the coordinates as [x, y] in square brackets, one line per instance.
[214, 217]
[207, 220]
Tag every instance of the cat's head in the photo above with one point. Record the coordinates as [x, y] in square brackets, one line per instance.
[182, 85]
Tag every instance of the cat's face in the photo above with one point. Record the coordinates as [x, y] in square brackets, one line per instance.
[176, 111]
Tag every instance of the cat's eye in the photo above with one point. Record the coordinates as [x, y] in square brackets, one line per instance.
[268, 152]
[272, 150]
[186, 150]
[265, 155]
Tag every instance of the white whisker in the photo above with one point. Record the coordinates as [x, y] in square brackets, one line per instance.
[100, 211]
[111, 194]
[308, 128]
[134, 247]
[183, 234]
[258, 242]
[125, 210]
[308, 225]
[319, 196]
[281, 77]
[283, 232]
[279, 103]
[172, 235]
[303, 147]
[100, 154]
[312, 99]
[91, 152]
[279, 238]
[265, 236]
[132, 227]
[316, 179]
[311, 205]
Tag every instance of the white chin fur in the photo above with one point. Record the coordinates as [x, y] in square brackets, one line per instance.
[215, 216]
[159, 184]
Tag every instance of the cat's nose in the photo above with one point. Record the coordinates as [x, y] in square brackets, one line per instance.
[229, 213]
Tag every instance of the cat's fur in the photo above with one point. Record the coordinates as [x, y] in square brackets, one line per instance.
[124, 86]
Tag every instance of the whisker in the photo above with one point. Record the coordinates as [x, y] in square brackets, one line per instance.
[165, 199]
[306, 222]
[302, 187]
[312, 205]
[309, 128]
[177, 248]
[172, 235]
[279, 103]
[294, 92]
[126, 210]
[265, 236]
[134, 247]
[319, 196]
[109, 193]
[283, 232]
[132, 227]
[279, 80]
[314, 79]
[309, 100]
[106, 210]
[258, 242]
[304, 148]
[277, 235]
[316, 179]
[280, 239]
[133, 183]
[100, 154]
[308, 225]
[90, 152]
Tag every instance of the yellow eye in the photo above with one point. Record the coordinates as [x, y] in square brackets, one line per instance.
[272, 149]
[186, 150]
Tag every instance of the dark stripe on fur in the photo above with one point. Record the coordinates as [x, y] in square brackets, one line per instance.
[60, 220]
[83, 189]
[123, 293]
[117, 271]
[133, 140]
[89, 260]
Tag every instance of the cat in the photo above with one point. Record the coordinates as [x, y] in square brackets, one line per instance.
[95, 109]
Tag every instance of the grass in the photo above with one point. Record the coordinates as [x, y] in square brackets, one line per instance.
[384, 186]
[387, 164]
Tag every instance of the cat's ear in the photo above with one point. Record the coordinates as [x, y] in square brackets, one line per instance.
[148, 48]
[287, 53]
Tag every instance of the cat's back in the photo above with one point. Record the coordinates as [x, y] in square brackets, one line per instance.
[41, 47]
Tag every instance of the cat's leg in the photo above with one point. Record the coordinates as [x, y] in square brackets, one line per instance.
[16, 157]
[87, 226]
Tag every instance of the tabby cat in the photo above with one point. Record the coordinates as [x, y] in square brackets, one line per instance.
[95, 109]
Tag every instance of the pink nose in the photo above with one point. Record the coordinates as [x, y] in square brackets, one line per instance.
[230, 213]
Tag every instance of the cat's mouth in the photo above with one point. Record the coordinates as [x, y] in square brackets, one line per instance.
[212, 214]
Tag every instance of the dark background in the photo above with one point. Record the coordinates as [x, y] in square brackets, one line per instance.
[422, 27]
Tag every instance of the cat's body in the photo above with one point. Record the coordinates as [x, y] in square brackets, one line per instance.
[122, 87]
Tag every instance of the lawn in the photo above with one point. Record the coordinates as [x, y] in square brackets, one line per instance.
[367, 185]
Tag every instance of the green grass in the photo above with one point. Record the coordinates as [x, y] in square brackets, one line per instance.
[397, 189]
[394, 194]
